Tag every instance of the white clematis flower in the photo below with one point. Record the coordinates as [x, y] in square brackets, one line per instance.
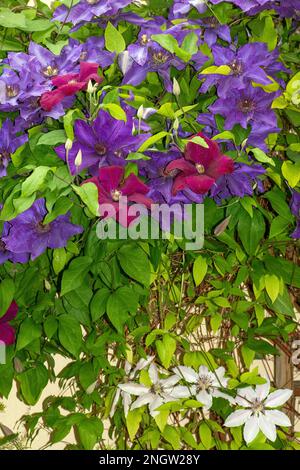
[257, 414]
[161, 391]
[126, 397]
[204, 384]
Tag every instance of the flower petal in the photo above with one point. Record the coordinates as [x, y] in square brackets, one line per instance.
[278, 398]
[267, 427]
[186, 373]
[134, 389]
[277, 417]
[237, 418]
[251, 429]
[143, 400]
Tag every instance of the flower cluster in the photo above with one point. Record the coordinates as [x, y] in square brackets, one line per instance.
[256, 407]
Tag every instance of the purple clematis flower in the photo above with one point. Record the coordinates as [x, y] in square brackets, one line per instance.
[245, 5]
[140, 51]
[29, 234]
[5, 254]
[9, 143]
[93, 51]
[160, 61]
[182, 7]
[105, 141]
[251, 105]
[7, 332]
[90, 10]
[246, 64]
[241, 182]
[46, 64]
[295, 210]
[213, 29]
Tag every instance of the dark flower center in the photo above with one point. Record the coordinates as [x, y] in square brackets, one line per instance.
[116, 194]
[246, 105]
[100, 149]
[83, 55]
[160, 58]
[144, 40]
[210, 21]
[200, 168]
[4, 155]
[156, 389]
[34, 103]
[204, 383]
[2, 246]
[50, 71]
[43, 228]
[236, 67]
[12, 91]
[257, 406]
[170, 174]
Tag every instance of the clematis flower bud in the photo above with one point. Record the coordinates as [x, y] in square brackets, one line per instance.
[176, 87]
[78, 159]
[69, 144]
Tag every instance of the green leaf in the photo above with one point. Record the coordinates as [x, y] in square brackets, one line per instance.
[166, 349]
[69, 333]
[133, 421]
[32, 383]
[29, 331]
[291, 172]
[7, 292]
[251, 231]
[34, 181]
[119, 304]
[9, 19]
[88, 193]
[98, 303]
[53, 138]
[220, 70]
[199, 270]
[115, 111]
[261, 157]
[172, 436]
[90, 431]
[114, 41]
[152, 140]
[272, 284]
[205, 435]
[59, 259]
[135, 263]
[199, 141]
[73, 276]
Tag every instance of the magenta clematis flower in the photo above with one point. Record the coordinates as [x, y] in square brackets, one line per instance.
[69, 84]
[200, 168]
[113, 186]
[7, 332]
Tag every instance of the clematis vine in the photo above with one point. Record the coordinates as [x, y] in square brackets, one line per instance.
[200, 168]
[69, 85]
[7, 332]
[257, 411]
